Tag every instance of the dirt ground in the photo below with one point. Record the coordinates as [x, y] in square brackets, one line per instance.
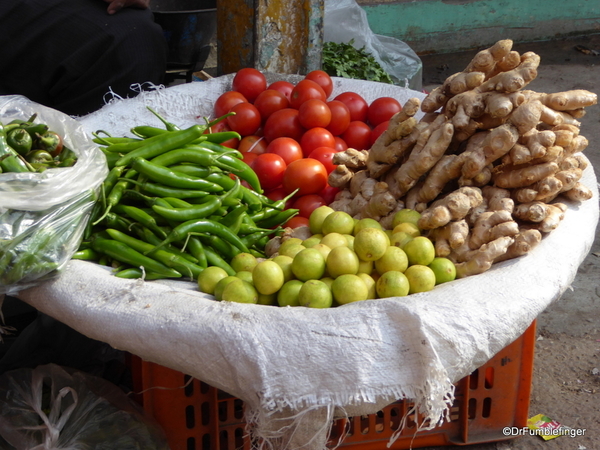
[566, 385]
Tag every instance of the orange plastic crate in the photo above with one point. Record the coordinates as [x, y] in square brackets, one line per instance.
[200, 417]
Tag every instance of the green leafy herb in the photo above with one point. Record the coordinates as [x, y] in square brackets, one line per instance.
[343, 60]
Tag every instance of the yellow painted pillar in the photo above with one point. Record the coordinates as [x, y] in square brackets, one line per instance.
[281, 36]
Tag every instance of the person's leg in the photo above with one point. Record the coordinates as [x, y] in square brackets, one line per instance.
[68, 54]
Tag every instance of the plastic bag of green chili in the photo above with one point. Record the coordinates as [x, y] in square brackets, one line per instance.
[43, 215]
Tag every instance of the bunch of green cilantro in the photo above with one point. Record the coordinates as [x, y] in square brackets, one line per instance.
[343, 60]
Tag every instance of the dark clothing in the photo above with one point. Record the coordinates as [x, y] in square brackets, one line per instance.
[68, 54]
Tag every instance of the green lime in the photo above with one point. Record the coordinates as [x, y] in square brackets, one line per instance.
[209, 277]
[315, 294]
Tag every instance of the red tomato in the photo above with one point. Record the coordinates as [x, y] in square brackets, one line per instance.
[253, 143]
[329, 194]
[358, 135]
[283, 123]
[378, 131]
[306, 204]
[249, 157]
[307, 175]
[357, 105]
[289, 149]
[325, 155]
[224, 126]
[323, 79]
[382, 109]
[297, 221]
[340, 144]
[305, 90]
[279, 194]
[340, 117]
[316, 137]
[250, 82]
[226, 100]
[314, 113]
[270, 169]
[246, 119]
[269, 101]
[285, 87]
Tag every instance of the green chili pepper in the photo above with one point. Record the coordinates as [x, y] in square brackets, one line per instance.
[141, 217]
[125, 254]
[193, 170]
[20, 140]
[161, 174]
[167, 258]
[162, 143]
[214, 259]
[9, 158]
[86, 254]
[145, 131]
[223, 248]
[118, 222]
[278, 219]
[203, 226]
[161, 190]
[193, 212]
[116, 193]
[234, 218]
[133, 273]
[168, 125]
[197, 250]
[223, 136]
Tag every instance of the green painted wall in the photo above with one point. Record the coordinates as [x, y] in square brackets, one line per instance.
[449, 25]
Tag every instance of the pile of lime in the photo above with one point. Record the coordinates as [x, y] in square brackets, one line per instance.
[345, 260]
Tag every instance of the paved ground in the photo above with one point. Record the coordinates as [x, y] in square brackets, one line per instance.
[566, 383]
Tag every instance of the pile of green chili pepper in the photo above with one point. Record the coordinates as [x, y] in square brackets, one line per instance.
[176, 201]
[27, 146]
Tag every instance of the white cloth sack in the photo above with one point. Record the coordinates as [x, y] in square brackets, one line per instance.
[352, 359]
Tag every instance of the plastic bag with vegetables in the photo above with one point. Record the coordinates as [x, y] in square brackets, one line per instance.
[52, 407]
[43, 213]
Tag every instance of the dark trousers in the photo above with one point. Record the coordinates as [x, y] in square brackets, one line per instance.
[71, 54]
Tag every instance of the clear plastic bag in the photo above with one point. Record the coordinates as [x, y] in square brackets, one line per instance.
[346, 20]
[51, 408]
[43, 215]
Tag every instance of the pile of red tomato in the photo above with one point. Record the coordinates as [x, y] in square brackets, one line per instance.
[290, 132]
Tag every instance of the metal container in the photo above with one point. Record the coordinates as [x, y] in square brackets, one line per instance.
[189, 26]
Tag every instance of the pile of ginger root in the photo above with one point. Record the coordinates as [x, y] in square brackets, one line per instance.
[489, 164]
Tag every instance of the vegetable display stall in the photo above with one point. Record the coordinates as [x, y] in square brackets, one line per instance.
[313, 364]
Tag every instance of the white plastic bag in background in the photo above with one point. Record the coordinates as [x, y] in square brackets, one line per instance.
[43, 215]
[52, 408]
[346, 20]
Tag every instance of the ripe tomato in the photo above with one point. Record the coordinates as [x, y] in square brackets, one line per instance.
[305, 90]
[358, 135]
[279, 194]
[340, 117]
[224, 126]
[253, 143]
[283, 123]
[325, 155]
[269, 101]
[340, 144]
[316, 137]
[323, 79]
[357, 105]
[249, 157]
[269, 169]
[246, 119]
[307, 175]
[306, 204]
[225, 102]
[314, 113]
[250, 82]
[297, 221]
[378, 131]
[285, 87]
[329, 193]
[289, 149]
[382, 109]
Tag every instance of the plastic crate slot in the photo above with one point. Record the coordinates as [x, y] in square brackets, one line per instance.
[454, 413]
[223, 411]
[472, 409]
[188, 386]
[238, 409]
[224, 444]
[207, 442]
[474, 379]
[205, 413]
[487, 407]
[190, 443]
[489, 378]
[190, 417]
[239, 434]
[395, 418]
